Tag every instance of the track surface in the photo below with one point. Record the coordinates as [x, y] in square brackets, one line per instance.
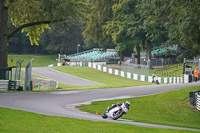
[62, 77]
[63, 103]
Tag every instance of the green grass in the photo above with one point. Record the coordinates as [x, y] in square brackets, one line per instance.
[39, 60]
[171, 108]
[171, 70]
[109, 80]
[14, 121]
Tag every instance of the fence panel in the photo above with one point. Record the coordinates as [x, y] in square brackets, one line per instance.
[198, 101]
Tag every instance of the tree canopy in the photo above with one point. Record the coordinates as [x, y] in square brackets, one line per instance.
[149, 22]
[100, 12]
[33, 17]
[120, 24]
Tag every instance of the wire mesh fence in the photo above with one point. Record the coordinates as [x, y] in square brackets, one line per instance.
[135, 68]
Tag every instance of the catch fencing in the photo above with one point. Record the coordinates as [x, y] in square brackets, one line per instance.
[135, 68]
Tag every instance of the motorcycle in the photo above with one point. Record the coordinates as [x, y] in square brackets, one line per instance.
[155, 79]
[116, 111]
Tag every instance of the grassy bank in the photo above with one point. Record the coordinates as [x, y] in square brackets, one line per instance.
[171, 108]
[109, 80]
[13, 121]
[39, 60]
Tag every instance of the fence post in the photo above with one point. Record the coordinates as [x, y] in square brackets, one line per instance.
[199, 64]
[28, 76]
[184, 66]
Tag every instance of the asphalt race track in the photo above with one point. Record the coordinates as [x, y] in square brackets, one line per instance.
[62, 77]
[63, 103]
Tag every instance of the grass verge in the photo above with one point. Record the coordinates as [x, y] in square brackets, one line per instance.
[109, 80]
[39, 60]
[171, 108]
[14, 121]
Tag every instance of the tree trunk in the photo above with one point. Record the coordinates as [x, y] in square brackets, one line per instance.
[3, 35]
[148, 50]
[138, 53]
[121, 57]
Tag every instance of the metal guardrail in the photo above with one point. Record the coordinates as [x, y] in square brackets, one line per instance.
[8, 85]
[4, 85]
[198, 101]
[194, 97]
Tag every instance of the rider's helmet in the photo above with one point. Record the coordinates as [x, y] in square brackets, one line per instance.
[127, 103]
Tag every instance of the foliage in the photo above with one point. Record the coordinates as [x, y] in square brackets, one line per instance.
[183, 24]
[34, 16]
[100, 13]
[125, 26]
[180, 58]
[158, 22]
[39, 13]
[62, 40]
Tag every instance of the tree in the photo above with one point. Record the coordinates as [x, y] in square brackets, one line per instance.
[125, 27]
[3, 34]
[62, 40]
[100, 13]
[169, 22]
[19, 44]
[153, 14]
[33, 17]
[183, 25]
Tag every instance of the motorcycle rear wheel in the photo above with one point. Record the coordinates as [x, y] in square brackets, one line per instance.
[117, 115]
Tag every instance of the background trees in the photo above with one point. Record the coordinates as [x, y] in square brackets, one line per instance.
[62, 40]
[150, 23]
[123, 25]
[99, 13]
[33, 17]
[183, 25]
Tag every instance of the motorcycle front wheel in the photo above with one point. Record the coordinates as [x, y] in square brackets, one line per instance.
[104, 116]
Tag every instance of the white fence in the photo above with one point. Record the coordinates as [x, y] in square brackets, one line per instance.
[165, 80]
[198, 101]
[40, 83]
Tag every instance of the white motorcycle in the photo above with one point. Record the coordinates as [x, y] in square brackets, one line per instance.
[117, 110]
[155, 79]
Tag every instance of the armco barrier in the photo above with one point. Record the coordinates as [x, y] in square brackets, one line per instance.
[4, 85]
[165, 80]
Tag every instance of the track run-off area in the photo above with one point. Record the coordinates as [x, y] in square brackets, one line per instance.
[62, 103]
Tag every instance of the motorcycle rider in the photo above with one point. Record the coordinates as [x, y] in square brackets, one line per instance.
[155, 79]
[127, 104]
